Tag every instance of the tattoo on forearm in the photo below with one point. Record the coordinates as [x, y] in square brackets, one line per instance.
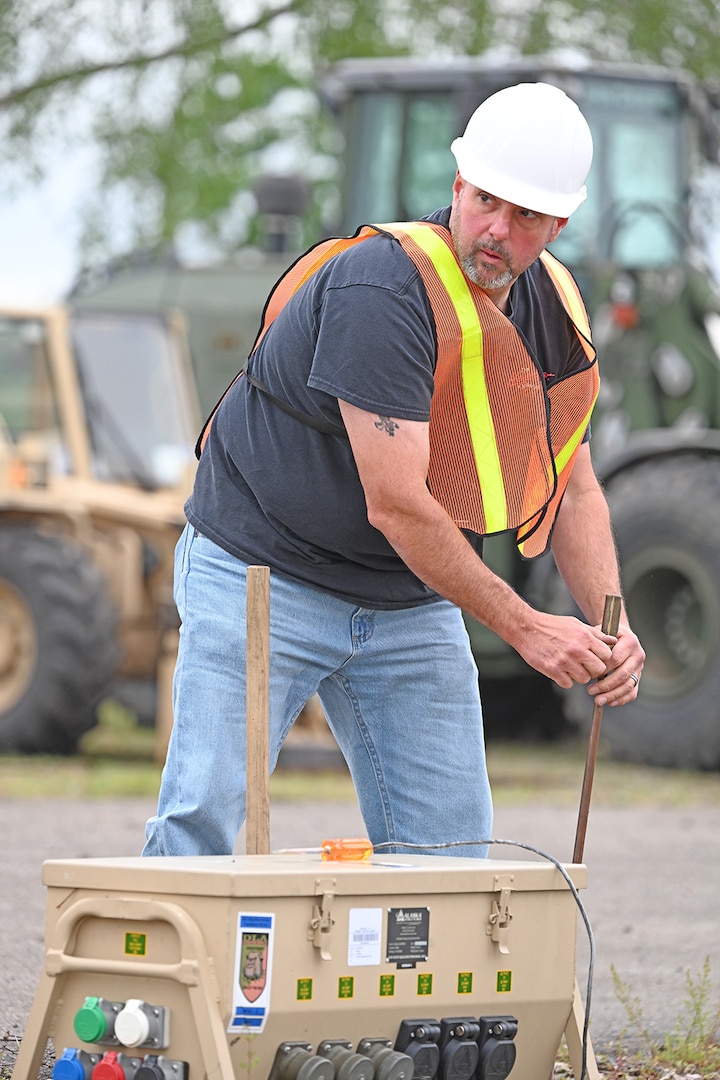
[386, 423]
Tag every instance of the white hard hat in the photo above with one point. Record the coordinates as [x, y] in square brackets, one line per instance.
[530, 145]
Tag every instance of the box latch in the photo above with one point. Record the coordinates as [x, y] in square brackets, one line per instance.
[500, 915]
[322, 921]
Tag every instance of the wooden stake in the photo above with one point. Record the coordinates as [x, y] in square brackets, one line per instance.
[610, 622]
[257, 661]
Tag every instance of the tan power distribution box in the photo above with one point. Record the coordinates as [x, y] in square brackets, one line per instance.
[257, 966]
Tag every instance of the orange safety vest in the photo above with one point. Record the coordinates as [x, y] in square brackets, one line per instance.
[502, 444]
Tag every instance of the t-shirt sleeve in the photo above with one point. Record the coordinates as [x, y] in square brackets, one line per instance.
[376, 349]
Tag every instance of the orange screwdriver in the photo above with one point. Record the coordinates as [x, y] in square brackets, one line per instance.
[346, 850]
[341, 850]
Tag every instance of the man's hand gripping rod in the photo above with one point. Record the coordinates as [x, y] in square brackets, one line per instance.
[610, 623]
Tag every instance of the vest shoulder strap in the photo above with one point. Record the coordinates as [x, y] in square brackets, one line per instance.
[572, 301]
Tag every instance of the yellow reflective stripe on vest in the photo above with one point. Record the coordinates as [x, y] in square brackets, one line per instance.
[572, 301]
[564, 455]
[477, 403]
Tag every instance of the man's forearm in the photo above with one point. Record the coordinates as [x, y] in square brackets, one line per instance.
[584, 549]
[432, 546]
[561, 647]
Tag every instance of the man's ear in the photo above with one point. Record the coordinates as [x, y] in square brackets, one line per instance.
[557, 228]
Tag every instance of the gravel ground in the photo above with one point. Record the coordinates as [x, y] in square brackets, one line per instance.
[652, 899]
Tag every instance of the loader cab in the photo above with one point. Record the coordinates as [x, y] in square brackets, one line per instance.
[100, 395]
[138, 396]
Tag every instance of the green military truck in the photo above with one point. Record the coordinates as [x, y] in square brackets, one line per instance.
[656, 317]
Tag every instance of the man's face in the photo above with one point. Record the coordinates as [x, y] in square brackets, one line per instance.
[495, 240]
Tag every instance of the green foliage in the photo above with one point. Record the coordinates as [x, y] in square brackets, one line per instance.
[189, 101]
[197, 168]
[662, 32]
[695, 1039]
[693, 1045]
[251, 1061]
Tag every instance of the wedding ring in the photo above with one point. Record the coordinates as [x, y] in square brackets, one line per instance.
[635, 679]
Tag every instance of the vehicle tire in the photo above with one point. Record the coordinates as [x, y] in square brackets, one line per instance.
[58, 644]
[522, 708]
[138, 696]
[666, 516]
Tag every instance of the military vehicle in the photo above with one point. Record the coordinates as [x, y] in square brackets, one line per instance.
[656, 316]
[98, 419]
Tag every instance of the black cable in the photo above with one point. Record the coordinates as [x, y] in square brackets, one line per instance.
[576, 896]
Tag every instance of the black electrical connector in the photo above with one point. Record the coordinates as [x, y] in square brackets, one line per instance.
[459, 1051]
[150, 1069]
[497, 1049]
[419, 1040]
[157, 1067]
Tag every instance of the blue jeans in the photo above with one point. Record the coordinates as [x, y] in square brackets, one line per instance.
[399, 689]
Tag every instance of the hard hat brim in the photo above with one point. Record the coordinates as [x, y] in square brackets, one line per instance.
[559, 204]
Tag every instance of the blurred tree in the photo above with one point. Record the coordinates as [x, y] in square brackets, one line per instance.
[189, 100]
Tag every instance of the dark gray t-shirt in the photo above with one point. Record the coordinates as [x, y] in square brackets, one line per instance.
[271, 489]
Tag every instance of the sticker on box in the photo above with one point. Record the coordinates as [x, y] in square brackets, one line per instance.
[253, 968]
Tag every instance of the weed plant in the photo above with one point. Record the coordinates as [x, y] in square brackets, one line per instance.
[692, 1049]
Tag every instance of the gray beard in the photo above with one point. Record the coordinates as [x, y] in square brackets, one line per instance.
[486, 280]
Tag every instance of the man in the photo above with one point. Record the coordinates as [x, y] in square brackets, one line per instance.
[412, 388]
